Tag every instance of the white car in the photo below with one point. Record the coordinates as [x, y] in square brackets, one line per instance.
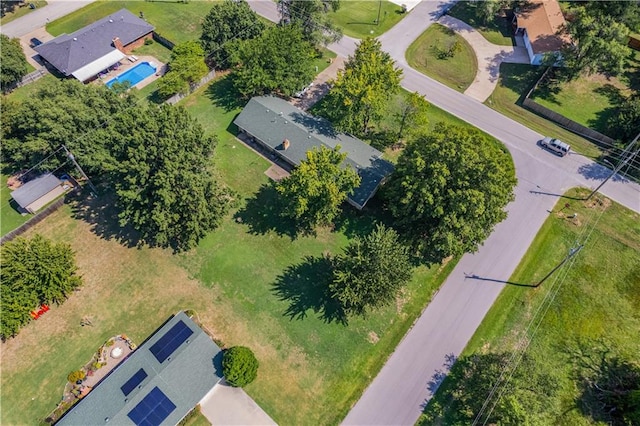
[303, 91]
[555, 145]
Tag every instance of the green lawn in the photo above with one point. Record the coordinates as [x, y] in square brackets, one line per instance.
[515, 81]
[357, 18]
[24, 92]
[598, 298]
[457, 72]
[176, 21]
[10, 219]
[590, 100]
[156, 50]
[496, 31]
[311, 370]
[21, 11]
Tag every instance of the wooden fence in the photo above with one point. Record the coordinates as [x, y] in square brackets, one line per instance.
[33, 221]
[192, 87]
[163, 41]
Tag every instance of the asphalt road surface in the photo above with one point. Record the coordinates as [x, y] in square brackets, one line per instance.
[41, 16]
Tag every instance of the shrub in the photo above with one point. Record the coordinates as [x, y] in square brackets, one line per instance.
[239, 366]
[74, 376]
[110, 342]
[148, 41]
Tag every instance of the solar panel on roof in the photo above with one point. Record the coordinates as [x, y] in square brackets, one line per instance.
[171, 340]
[133, 382]
[152, 410]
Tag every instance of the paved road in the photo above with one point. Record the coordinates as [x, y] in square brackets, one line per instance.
[39, 18]
[414, 371]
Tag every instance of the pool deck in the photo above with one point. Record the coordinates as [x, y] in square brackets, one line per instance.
[126, 65]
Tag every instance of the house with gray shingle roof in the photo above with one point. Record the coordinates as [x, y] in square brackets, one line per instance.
[157, 384]
[270, 121]
[96, 47]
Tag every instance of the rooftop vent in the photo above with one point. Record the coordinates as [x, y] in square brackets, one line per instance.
[75, 39]
[110, 20]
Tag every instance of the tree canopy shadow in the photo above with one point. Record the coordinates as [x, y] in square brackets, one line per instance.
[595, 171]
[262, 213]
[306, 287]
[101, 214]
[608, 384]
[224, 95]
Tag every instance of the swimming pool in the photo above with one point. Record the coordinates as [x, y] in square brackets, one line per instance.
[134, 75]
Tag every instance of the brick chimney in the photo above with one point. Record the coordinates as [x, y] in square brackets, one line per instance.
[285, 144]
[118, 44]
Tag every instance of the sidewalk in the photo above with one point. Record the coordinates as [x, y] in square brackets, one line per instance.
[489, 56]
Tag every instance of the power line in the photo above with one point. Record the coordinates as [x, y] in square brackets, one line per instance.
[509, 369]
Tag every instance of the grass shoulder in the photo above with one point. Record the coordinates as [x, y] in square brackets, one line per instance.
[22, 10]
[514, 83]
[358, 18]
[496, 30]
[588, 292]
[442, 54]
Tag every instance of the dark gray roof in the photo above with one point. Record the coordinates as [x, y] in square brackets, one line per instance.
[185, 378]
[35, 189]
[272, 120]
[70, 52]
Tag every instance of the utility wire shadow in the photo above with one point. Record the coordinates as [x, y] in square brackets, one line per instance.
[477, 277]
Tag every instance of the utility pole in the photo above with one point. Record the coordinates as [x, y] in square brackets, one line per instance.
[624, 161]
[75, 163]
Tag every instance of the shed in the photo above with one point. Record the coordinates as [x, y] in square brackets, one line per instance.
[36, 193]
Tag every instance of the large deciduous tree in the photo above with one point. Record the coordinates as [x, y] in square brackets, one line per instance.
[412, 115]
[312, 17]
[34, 272]
[60, 113]
[599, 44]
[228, 21]
[185, 68]
[449, 190]
[13, 63]
[370, 272]
[278, 61]
[315, 189]
[362, 90]
[519, 401]
[163, 177]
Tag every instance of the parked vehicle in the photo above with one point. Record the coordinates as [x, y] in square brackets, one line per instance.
[303, 91]
[556, 146]
[35, 42]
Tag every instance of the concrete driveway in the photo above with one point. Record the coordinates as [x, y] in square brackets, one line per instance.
[25, 41]
[489, 57]
[226, 405]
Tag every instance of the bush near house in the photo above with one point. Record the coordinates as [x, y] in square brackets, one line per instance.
[239, 366]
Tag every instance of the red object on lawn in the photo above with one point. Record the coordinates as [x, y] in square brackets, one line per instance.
[34, 315]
